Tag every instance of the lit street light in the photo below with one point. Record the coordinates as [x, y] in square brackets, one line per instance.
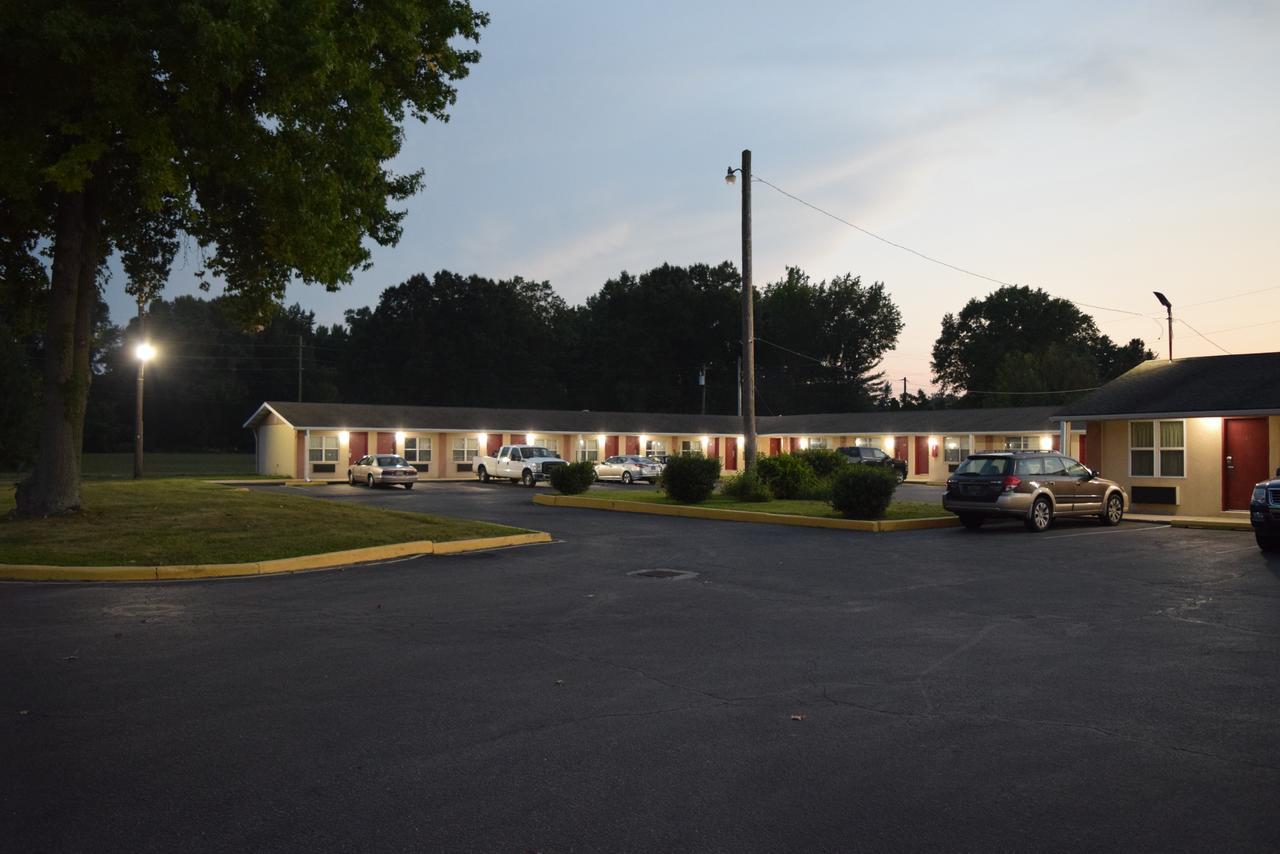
[145, 353]
[1168, 307]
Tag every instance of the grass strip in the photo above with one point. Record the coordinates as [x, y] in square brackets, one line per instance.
[156, 522]
[790, 507]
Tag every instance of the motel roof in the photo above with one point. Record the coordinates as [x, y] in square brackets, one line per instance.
[358, 416]
[1247, 384]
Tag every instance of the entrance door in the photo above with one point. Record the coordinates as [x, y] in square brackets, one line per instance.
[731, 455]
[900, 448]
[357, 446]
[922, 455]
[1244, 462]
[386, 443]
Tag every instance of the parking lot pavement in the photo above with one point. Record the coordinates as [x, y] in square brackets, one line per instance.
[804, 690]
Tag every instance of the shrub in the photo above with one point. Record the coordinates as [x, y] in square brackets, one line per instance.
[748, 486]
[786, 475]
[863, 492]
[573, 478]
[689, 480]
[819, 490]
[824, 461]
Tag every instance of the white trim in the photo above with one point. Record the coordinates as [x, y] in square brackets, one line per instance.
[268, 407]
[1156, 449]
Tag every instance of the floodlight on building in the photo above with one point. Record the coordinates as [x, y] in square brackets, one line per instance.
[600, 440]
[484, 438]
[1046, 443]
[888, 443]
[400, 436]
[528, 438]
[804, 442]
[344, 436]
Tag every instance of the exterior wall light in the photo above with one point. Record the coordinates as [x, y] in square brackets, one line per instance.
[888, 443]
[933, 442]
[484, 439]
[528, 438]
[644, 439]
[742, 440]
[600, 441]
[704, 441]
[1046, 443]
[343, 436]
[400, 437]
[804, 442]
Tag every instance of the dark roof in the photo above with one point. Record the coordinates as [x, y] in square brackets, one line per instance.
[1205, 385]
[1029, 419]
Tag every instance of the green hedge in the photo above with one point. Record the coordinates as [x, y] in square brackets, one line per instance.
[689, 480]
[573, 478]
[748, 486]
[863, 492]
[824, 461]
[787, 476]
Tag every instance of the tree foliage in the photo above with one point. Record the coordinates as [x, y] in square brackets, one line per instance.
[1019, 346]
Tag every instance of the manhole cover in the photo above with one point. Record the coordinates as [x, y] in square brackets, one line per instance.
[662, 573]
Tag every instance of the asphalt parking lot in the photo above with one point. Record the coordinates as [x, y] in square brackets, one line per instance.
[801, 690]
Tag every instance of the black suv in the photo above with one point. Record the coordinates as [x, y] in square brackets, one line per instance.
[1264, 513]
[876, 457]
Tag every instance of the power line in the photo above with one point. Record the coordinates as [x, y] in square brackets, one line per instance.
[1233, 296]
[1250, 326]
[1202, 335]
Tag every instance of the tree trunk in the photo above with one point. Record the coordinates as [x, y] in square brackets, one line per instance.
[54, 485]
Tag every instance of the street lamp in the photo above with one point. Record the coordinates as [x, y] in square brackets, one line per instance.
[1168, 307]
[748, 378]
[145, 353]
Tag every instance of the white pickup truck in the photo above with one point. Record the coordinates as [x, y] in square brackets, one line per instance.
[525, 464]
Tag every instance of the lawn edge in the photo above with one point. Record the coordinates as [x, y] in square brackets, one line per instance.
[866, 526]
[301, 563]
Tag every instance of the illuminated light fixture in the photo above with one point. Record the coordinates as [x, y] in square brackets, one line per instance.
[145, 352]
[704, 441]
[1046, 443]
[343, 436]
[953, 445]
[581, 442]
[400, 436]
[888, 442]
[857, 443]
[644, 439]
[600, 440]
[742, 440]
[528, 438]
[804, 442]
[483, 437]
[933, 442]
[730, 178]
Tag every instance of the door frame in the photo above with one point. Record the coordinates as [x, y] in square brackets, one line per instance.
[1222, 455]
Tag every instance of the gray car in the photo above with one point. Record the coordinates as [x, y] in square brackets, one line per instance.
[629, 469]
[382, 470]
[1034, 486]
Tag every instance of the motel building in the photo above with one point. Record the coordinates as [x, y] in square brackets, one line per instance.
[1188, 437]
[318, 441]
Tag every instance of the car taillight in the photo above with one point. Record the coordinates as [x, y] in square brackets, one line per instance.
[1010, 483]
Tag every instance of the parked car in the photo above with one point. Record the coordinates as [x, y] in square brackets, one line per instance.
[629, 469]
[868, 456]
[1264, 514]
[1034, 486]
[382, 470]
[527, 464]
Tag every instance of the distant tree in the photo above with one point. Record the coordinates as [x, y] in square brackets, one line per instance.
[1019, 346]
[267, 128]
[822, 342]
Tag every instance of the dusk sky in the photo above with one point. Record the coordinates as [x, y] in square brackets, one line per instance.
[1095, 152]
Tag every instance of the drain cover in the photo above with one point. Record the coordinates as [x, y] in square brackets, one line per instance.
[662, 573]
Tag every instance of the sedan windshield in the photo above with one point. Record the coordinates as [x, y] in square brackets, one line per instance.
[391, 461]
[985, 466]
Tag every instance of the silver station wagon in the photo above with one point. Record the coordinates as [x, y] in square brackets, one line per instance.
[1034, 486]
[382, 470]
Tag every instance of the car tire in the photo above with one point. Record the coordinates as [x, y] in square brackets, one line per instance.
[972, 521]
[351, 477]
[1112, 510]
[483, 474]
[408, 486]
[899, 475]
[1267, 542]
[1041, 516]
[526, 478]
[370, 481]
[626, 478]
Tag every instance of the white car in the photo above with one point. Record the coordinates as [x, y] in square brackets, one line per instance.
[382, 470]
[629, 469]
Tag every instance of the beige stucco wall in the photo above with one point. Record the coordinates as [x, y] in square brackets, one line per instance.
[1199, 492]
[276, 450]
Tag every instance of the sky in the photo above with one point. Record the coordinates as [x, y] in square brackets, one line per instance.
[1097, 150]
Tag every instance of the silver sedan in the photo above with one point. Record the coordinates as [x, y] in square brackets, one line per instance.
[629, 469]
[382, 470]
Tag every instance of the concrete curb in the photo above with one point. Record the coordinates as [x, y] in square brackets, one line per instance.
[1204, 523]
[622, 506]
[302, 563]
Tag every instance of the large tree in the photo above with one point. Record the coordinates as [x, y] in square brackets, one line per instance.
[267, 128]
[1019, 346]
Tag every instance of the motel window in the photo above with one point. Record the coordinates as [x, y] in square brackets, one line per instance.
[689, 447]
[323, 449]
[1020, 443]
[1157, 449]
[417, 449]
[655, 449]
[589, 451]
[817, 442]
[955, 449]
[465, 449]
[551, 444]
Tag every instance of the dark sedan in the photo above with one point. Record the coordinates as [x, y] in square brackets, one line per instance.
[1264, 513]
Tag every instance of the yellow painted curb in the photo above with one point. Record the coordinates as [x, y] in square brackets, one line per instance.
[302, 563]
[622, 506]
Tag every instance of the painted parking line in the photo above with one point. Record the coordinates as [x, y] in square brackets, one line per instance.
[1106, 531]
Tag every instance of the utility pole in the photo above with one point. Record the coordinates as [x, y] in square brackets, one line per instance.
[904, 388]
[748, 384]
[739, 386]
[1168, 307]
[137, 414]
[299, 369]
[702, 381]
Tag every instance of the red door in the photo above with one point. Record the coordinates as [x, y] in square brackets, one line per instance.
[495, 445]
[1244, 462]
[775, 446]
[900, 447]
[731, 455]
[357, 447]
[1084, 449]
[715, 447]
[386, 443]
[611, 446]
[922, 455]
[633, 446]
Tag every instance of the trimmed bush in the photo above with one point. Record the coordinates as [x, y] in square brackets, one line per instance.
[573, 478]
[863, 492]
[820, 490]
[689, 480]
[748, 486]
[824, 461]
[786, 475]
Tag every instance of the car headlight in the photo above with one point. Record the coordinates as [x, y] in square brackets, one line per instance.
[537, 466]
[1260, 493]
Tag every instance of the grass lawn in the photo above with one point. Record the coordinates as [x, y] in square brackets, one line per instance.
[98, 466]
[187, 521]
[795, 507]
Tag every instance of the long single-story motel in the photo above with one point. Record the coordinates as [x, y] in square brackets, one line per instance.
[1189, 437]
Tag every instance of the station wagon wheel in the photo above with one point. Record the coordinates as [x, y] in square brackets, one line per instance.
[1113, 511]
[1041, 516]
[351, 477]
[626, 478]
